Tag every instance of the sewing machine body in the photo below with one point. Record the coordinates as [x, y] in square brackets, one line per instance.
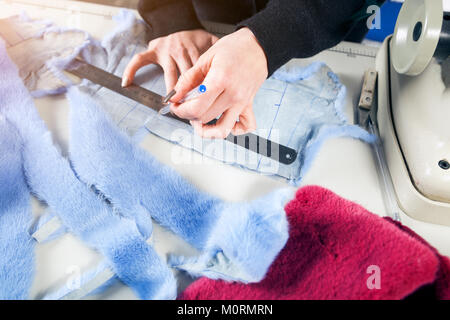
[412, 119]
[413, 113]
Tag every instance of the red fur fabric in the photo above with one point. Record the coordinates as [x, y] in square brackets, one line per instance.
[333, 252]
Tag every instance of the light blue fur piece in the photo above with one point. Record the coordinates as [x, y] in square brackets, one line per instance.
[16, 244]
[244, 241]
[50, 177]
[303, 106]
[238, 241]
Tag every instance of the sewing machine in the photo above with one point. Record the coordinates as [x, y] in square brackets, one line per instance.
[413, 110]
[345, 166]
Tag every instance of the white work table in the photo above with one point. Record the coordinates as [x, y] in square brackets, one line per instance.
[343, 165]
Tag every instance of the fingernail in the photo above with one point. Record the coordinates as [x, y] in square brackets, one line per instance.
[169, 96]
[124, 81]
[164, 110]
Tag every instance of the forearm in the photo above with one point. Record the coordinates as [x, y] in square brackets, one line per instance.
[169, 16]
[289, 29]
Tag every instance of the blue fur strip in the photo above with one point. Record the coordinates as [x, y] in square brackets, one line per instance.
[16, 245]
[85, 214]
[248, 235]
[133, 181]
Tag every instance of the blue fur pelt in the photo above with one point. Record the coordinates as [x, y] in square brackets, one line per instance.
[238, 241]
[16, 245]
[50, 177]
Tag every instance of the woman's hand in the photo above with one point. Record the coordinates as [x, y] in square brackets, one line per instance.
[232, 70]
[175, 53]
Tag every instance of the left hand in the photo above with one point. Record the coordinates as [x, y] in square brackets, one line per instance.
[232, 70]
[175, 53]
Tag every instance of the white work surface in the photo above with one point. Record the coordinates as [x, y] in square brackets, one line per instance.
[345, 166]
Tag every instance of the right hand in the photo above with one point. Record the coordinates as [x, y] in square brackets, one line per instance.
[232, 70]
[175, 53]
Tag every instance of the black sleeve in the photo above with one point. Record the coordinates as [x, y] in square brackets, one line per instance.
[289, 29]
[169, 16]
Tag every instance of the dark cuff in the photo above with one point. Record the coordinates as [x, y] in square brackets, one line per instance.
[269, 38]
[167, 17]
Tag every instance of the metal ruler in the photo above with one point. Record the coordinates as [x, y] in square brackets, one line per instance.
[355, 49]
[249, 141]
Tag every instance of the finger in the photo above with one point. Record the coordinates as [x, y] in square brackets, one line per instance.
[170, 73]
[222, 128]
[188, 81]
[138, 61]
[194, 54]
[214, 39]
[246, 123]
[222, 103]
[183, 61]
[195, 108]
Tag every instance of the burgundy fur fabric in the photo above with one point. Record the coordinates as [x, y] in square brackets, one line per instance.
[332, 244]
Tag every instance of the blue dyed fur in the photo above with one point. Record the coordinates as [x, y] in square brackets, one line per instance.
[16, 245]
[249, 235]
[86, 215]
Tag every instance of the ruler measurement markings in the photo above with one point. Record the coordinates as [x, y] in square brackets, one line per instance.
[153, 101]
